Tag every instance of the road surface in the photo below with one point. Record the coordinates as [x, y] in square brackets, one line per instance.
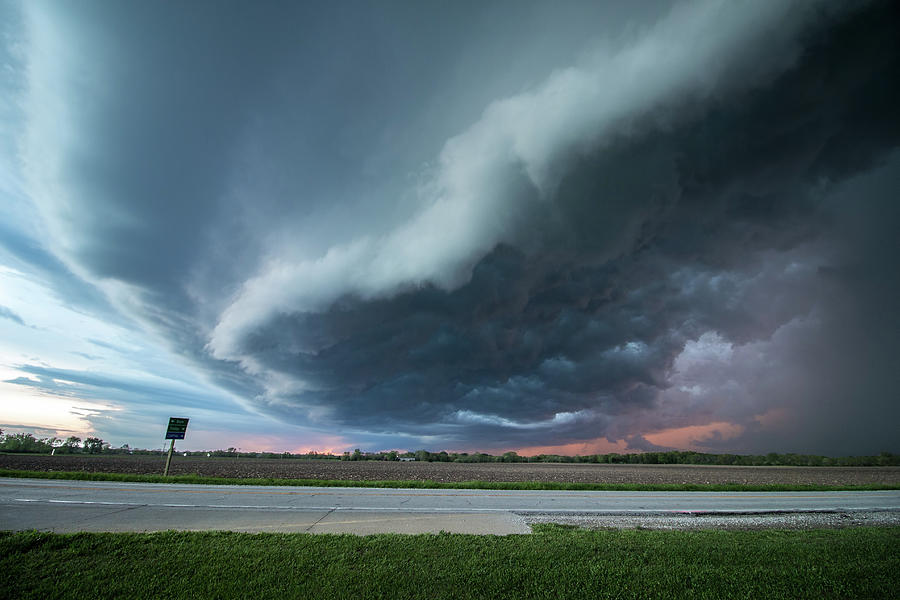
[66, 506]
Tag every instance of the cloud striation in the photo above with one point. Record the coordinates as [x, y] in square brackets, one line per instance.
[693, 224]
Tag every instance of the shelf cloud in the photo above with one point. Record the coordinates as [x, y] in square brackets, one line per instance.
[679, 232]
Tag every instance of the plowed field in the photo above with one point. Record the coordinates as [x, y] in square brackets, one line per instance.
[377, 470]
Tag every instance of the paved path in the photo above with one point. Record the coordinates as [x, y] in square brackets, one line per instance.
[110, 506]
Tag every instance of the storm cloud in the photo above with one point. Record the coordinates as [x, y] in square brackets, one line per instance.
[684, 225]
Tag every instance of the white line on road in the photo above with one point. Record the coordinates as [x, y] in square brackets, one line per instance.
[605, 511]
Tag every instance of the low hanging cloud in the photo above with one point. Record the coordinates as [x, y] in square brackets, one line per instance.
[688, 231]
[494, 180]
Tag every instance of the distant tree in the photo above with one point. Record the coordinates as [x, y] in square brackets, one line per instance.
[510, 457]
[23, 442]
[93, 445]
[70, 446]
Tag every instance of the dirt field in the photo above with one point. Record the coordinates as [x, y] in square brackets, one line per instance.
[376, 470]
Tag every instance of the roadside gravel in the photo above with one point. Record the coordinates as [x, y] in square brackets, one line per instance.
[804, 520]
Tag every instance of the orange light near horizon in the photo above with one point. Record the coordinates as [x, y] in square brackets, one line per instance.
[596, 446]
[27, 408]
[775, 417]
[692, 437]
[319, 450]
[322, 443]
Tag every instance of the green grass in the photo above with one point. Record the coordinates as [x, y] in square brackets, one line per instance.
[553, 562]
[464, 485]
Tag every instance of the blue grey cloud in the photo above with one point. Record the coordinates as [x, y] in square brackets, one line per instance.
[80, 384]
[22, 252]
[472, 226]
[6, 313]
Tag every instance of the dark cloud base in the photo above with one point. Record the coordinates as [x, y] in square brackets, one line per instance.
[648, 243]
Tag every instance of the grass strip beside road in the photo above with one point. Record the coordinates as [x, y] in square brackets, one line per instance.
[553, 562]
[463, 485]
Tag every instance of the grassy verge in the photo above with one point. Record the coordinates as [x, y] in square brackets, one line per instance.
[554, 562]
[465, 485]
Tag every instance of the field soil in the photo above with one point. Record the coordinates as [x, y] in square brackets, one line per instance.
[435, 471]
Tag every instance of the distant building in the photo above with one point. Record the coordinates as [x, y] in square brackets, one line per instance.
[406, 458]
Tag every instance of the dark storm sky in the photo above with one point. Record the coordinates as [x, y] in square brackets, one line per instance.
[474, 225]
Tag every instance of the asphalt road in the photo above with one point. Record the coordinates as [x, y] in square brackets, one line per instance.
[66, 506]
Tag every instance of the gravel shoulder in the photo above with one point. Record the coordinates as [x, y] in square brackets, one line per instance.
[455, 472]
[793, 521]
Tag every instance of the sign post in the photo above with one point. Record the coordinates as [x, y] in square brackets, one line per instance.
[175, 431]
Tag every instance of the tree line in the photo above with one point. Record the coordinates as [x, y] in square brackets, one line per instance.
[673, 457]
[27, 443]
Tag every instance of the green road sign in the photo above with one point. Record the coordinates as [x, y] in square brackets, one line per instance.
[177, 428]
